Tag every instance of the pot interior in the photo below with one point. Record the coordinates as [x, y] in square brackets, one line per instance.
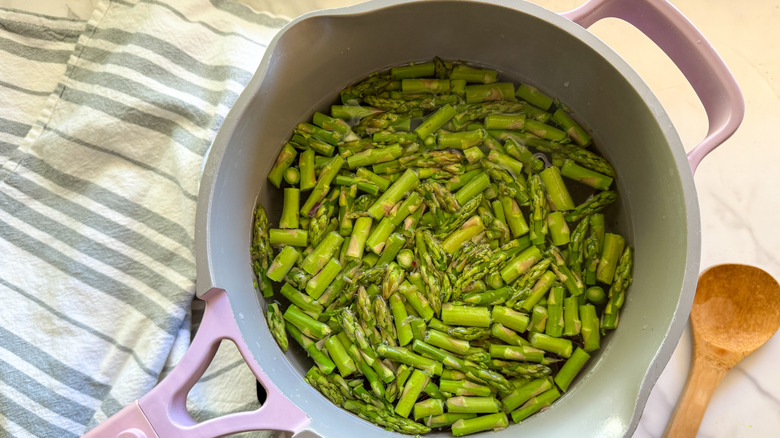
[321, 53]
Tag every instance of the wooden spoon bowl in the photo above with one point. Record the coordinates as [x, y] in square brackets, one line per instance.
[736, 310]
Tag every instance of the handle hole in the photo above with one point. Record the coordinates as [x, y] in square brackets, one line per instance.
[261, 393]
[225, 388]
[665, 80]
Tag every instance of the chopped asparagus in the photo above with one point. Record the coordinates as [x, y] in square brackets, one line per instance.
[413, 289]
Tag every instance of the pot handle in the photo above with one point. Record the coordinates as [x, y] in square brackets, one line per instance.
[162, 412]
[668, 28]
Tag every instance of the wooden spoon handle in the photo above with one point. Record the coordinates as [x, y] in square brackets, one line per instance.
[703, 378]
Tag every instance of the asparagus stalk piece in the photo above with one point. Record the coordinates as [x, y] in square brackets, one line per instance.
[490, 92]
[392, 247]
[532, 95]
[572, 281]
[510, 318]
[505, 121]
[471, 74]
[474, 405]
[539, 209]
[374, 156]
[461, 140]
[523, 393]
[469, 230]
[317, 285]
[612, 249]
[571, 316]
[446, 419]
[538, 319]
[557, 193]
[412, 389]
[539, 290]
[472, 188]
[435, 121]
[340, 357]
[324, 252]
[289, 218]
[428, 408]
[571, 368]
[535, 404]
[413, 70]
[464, 387]
[442, 340]
[393, 194]
[596, 295]
[426, 85]
[307, 325]
[521, 353]
[555, 322]
[518, 265]
[322, 361]
[590, 328]
[598, 181]
[404, 356]
[465, 315]
[303, 301]
[505, 334]
[495, 296]
[572, 128]
[481, 423]
[559, 229]
[514, 217]
[283, 161]
[282, 263]
[402, 328]
[327, 174]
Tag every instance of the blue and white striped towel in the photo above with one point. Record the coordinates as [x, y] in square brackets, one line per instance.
[104, 126]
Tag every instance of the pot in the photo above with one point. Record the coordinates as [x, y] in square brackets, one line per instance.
[322, 52]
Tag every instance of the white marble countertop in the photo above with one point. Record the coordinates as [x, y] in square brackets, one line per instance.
[736, 184]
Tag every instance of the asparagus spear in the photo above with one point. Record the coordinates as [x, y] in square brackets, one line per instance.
[393, 194]
[385, 418]
[474, 405]
[570, 369]
[532, 94]
[261, 252]
[538, 219]
[412, 389]
[522, 394]
[611, 251]
[594, 204]
[535, 404]
[617, 292]
[283, 161]
[276, 325]
[322, 361]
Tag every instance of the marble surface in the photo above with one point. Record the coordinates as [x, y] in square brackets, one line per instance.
[736, 184]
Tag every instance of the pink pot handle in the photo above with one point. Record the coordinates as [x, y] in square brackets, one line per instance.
[689, 50]
[162, 412]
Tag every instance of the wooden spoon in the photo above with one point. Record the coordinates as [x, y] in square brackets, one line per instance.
[736, 310]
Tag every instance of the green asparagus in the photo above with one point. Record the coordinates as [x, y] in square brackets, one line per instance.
[430, 250]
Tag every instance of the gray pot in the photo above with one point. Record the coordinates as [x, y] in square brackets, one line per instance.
[320, 53]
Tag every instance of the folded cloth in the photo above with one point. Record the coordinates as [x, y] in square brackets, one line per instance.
[104, 127]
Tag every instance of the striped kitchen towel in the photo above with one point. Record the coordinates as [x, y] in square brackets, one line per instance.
[104, 127]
